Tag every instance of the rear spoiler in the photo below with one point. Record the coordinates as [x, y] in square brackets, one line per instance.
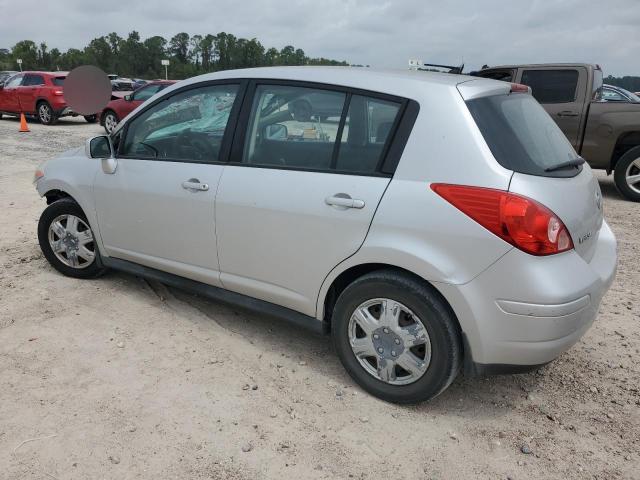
[484, 87]
[419, 65]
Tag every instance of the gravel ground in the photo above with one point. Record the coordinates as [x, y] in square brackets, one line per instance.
[120, 378]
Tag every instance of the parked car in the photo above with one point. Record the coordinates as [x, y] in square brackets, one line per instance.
[5, 75]
[611, 93]
[138, 82]
[606, 134]
[38, 94]
[460, 231]
[121, 84]
[120, 108]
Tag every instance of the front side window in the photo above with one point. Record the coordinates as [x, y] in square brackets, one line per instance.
[188, 126]
[14, 81]
[146, 93]
[299, 128]
[33, 80]
[552, 86]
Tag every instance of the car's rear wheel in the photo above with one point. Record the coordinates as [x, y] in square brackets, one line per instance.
[67, 241]
[110, 121]
[91, 118]
[46, 115]
[627, 174]
[396, 337]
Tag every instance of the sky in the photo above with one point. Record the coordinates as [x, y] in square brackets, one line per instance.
[377, 33]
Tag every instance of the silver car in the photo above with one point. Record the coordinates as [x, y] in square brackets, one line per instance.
[437, 223]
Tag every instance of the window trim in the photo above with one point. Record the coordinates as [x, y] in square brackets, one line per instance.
[225, 146]
[569, 69]
[386, 164]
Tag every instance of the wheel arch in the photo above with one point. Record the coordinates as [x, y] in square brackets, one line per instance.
[339, 281]
[625, 142]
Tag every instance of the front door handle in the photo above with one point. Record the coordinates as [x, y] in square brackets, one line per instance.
[194, 185]
[344, 201]
[567, 113]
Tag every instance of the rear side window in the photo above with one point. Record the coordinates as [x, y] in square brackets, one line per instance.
[58, 81]
[303, 128]
[33, 80]
[367, 129]
[552, 86]
[521, 135]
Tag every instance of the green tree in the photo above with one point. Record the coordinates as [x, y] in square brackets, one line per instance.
[179, 46]
[28, 52]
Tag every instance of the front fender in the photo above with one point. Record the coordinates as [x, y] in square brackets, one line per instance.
[74, 175]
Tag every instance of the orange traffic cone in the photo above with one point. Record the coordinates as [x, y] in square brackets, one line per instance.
[23, 124]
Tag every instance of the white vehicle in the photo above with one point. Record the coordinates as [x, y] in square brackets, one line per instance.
[434, 223]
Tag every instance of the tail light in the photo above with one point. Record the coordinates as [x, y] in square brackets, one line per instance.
[520, 221]
[58, 92]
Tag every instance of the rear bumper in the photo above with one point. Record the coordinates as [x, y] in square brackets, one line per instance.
[525, 310]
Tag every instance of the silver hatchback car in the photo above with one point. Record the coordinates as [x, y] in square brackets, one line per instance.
[431, 223]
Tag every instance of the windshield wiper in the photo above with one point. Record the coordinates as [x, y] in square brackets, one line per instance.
[574, 162]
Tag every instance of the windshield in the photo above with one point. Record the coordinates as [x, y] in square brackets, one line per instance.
[522, 136]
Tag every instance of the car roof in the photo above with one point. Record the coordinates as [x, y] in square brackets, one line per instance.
[403, 83]
[39, 72]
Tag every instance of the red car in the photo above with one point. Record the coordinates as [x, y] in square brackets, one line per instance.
[37, 94]
[119, 108]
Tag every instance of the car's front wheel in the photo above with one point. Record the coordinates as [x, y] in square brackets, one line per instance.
[396, 337]
[67, 241]
[110, 121]
[627, 174]
[46, 115]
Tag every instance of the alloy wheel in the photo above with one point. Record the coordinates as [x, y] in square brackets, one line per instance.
[72, 241]
[389, 341]
[110, 122]
[44, 112]
[632, 175]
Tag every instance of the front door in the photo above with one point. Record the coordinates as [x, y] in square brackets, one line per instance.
[561, 91]
[301, 191]
[157, 208]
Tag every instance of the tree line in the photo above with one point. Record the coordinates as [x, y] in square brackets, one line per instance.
[628, 83]
[189, 55]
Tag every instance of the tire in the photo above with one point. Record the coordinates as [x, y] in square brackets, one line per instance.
[110, 121]
[427, 308]
[91, 118]
[60, 213]
[628, 167]
[45, 114]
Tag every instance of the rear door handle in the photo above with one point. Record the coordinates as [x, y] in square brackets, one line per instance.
[344, 201]
[567, 113]
[194, 185]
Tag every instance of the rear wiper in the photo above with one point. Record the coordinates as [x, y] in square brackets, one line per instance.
[575, 162]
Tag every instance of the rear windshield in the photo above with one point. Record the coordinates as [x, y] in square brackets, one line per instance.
[521, 135]
[58, 81]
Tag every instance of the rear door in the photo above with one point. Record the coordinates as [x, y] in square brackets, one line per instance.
[562, 92]
[9, 101]
[302, 188]
[524, 139]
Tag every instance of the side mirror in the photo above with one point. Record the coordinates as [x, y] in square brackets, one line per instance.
[128, 98]
[276, 131]
[99, 147]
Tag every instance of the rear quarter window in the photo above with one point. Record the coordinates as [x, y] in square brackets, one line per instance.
[58, 81]
[521, 135]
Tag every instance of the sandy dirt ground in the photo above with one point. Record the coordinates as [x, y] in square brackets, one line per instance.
[117, 378]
